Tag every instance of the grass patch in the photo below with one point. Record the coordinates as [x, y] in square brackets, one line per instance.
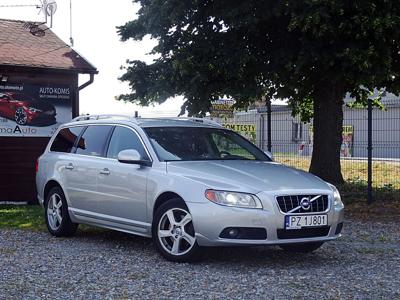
[385, 206]
[22, 217]
[384, 174]
[30, 217]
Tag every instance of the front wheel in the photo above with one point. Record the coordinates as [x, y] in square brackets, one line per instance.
[21, 117]
[56, 214]
[173, 232]
[301, 247]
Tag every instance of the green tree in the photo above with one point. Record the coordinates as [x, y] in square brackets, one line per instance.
[310, 51]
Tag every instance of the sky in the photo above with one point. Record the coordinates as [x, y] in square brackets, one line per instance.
[95, 38]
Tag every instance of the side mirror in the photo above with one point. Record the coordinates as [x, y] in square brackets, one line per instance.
[132, 156]
[270, 155]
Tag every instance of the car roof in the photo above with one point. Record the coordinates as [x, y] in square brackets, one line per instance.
[145, 122]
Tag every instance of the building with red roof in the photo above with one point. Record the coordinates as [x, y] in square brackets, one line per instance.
[38, 92]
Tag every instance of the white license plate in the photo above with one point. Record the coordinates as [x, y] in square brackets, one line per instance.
[298, 222]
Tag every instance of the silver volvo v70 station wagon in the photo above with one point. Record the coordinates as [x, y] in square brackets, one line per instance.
[185, 182]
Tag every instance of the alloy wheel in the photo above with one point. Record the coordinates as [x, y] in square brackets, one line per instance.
[20, 116]
[54, 214]
[176, 231]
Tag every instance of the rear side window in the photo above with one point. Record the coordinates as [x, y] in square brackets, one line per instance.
[124, 139]
[93, 140]
[65, 139]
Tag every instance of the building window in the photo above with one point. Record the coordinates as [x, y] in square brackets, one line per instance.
[297, 131]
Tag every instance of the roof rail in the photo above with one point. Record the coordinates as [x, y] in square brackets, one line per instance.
[99, 117]
[198, 120]
[137, 120]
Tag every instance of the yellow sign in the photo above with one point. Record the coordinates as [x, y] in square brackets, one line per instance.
[222, 108]
[246, 130]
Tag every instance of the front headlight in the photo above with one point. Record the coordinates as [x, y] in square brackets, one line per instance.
[234, 199]
[35, 110]
[337, 201]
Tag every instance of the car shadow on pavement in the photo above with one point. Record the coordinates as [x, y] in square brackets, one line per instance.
[268, 255]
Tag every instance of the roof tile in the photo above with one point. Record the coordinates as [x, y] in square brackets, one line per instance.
[19, 47]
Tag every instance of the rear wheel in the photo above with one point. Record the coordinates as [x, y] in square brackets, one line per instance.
[56, 214]
[302, 247]
[173, 232]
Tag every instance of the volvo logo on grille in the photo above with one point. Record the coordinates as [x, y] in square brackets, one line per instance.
[305, 203]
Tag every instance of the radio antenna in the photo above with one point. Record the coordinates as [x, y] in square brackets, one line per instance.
[49, 8]
[71, 40]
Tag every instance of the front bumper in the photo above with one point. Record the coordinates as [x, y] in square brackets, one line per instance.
[210, 219]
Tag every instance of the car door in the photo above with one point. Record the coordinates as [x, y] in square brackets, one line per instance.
[63, 146]
[83, 169]
[122, 187]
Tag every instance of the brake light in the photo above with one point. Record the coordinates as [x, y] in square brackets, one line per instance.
[37, 166]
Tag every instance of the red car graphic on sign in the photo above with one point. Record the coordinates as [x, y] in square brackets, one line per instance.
[25, 110]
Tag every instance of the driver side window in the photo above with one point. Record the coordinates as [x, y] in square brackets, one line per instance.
[124, 139]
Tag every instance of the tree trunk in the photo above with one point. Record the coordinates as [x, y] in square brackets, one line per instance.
[328, 122]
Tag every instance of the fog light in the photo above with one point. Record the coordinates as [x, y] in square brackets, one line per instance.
[233, 232]
[244, 233]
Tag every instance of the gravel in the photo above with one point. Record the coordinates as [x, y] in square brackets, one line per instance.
[100, 264]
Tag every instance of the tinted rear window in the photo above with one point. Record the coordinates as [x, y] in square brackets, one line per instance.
[93, 140]
[65, 139]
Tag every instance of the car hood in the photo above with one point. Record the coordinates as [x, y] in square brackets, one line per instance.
[247, 176]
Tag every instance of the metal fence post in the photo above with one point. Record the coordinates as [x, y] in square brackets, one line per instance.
[262, 132]
[369, 189]
[269, 138]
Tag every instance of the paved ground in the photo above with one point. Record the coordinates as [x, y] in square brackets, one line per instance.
[364, 264]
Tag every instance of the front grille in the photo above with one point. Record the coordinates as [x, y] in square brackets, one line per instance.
[289, 203]
[302, 233]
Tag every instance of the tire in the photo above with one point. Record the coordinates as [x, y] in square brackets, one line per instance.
[56, 214]
[175, 240]
[302, 247]
[21, 117]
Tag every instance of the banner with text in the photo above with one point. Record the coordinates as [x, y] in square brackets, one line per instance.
[222, 108]
[33, 110]
[246, 130]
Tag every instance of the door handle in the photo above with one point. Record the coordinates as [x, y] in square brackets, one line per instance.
[70, 166]
[105, 171]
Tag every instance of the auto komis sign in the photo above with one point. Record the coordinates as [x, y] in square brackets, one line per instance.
[33, 110]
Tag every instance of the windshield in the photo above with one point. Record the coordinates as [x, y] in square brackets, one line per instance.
[194, 143]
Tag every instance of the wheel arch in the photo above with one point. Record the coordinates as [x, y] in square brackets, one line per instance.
[164, 197]
[49, 185]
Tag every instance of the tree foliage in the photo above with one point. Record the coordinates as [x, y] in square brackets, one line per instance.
[311, 52]
[246, 49]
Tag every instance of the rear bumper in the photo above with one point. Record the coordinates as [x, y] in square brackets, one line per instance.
[211, 219]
